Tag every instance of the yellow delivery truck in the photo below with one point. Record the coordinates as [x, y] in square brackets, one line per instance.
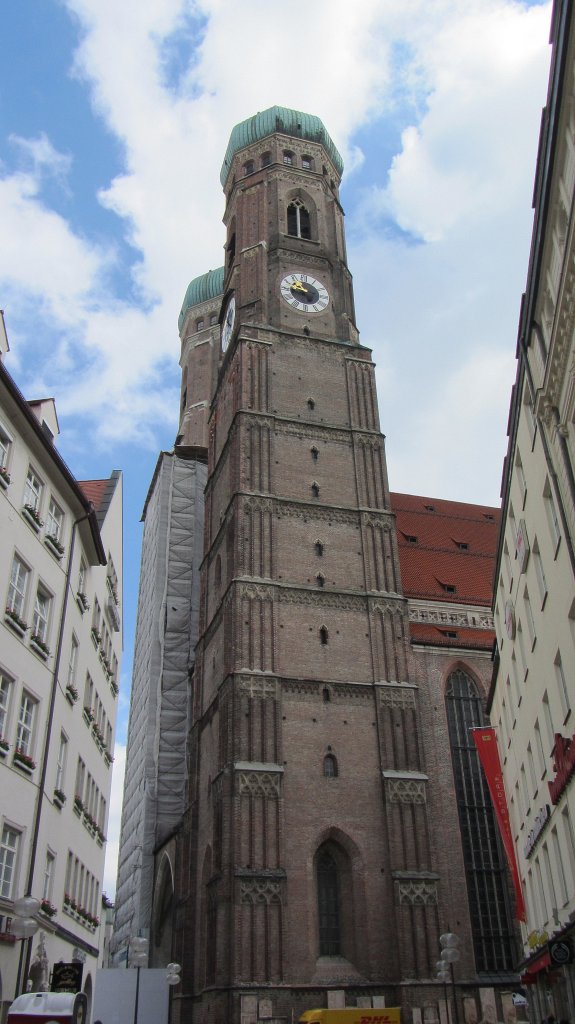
[352, 1015]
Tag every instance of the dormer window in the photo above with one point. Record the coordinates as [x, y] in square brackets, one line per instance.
[288, 157]
[298, 220]
[462, 545]
[449, 588]
[410, 538]
[429, 508]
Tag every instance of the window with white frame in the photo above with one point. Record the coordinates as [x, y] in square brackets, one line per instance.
[33, 490]
[72, 661]
[26, 723]
[82, 577]
[6, 684]
[54, 521]
[5, 446]
[19, 576]
[61, 762]
[48, 875]
[9, 847]
[41, 616]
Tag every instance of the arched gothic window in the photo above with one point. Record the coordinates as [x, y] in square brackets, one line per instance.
[330, 767]
[298, 220]
[323, 636]
[328, 905]
[485, 870]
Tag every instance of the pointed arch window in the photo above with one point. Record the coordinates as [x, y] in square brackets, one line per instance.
[328, 905]
[323, 636]
[330, 766]
[318, 548]
[320, 579]
[485, 869]
[298, 220]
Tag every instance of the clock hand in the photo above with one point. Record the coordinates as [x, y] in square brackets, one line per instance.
[297, 286]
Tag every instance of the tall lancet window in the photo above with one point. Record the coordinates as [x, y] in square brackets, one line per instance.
[328, 905]
[485, 869]
[298, 220]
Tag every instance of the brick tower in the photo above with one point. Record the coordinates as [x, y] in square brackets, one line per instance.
[303, 872]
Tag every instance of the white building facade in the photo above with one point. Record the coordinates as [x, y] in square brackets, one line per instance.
[60, 652]
[532, 698]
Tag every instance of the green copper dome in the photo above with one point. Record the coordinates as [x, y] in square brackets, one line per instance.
[279, 119]
[208, 286]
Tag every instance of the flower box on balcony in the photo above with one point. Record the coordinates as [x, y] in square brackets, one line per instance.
[78, 805]
[114, 688]
[23, 761]
[54, 546]
[4, 747]
[83, 602]
[71, 694]
[15, 622]
[39, 647]
[4, 477]
[31, 516]
[47, 908]
[108, 758]
[96, 637]
[88, 714]
[113, 613]
[59, 798]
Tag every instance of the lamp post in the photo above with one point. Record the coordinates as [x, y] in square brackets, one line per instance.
[24, 926]
[138, 958]
[450, 954]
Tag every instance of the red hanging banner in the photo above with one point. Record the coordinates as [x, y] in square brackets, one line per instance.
[486, 743]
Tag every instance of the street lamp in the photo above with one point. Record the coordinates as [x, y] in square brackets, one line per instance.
[450, 954]
[24, 926]
[138, 957]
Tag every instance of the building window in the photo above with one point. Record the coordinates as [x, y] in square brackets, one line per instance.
[562, 685]
[266, 159]
[213, 319]
[462, 545]
[484, 861]
[330, 766]
[5, 693]
[33, 490]
[41, 616]
[323, 636]
[48, 876]
[26, 720]
[61, 763]
[55, 520]
[318, 548]
[5, 446]
[298, 220]
[18, 586]
[320, 580]
[314, 453]
[287, 157]
[8, 861]
[410, 538]
[200, 324]
[315, 489]
[307, 163]
[328, 905]
[249, 167]
[539, 572]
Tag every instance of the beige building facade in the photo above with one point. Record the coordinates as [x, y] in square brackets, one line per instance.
[533, 689]
[60, 651]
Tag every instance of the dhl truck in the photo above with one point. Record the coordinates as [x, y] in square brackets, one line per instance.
[352, 1015]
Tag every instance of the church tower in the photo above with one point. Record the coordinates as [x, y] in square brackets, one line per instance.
[308, 866]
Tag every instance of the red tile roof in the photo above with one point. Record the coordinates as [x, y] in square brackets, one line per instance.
[95, 491]
[439, 636]
[431, 533]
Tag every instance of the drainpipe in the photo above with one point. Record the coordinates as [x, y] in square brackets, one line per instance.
[48, 736]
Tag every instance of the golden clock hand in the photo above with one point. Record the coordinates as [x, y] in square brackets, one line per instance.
[297, 286]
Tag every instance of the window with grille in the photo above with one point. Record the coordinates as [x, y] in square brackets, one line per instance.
[490, 911]
[17, 587]
[5, 690]
[41, 615]
[328, 905]
[26, 718]
[55, 520]
[298, 220]
[8, 861]
[33, 490]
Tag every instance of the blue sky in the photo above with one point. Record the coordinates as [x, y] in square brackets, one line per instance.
[114, 119]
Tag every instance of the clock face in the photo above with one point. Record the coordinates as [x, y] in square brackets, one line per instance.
[304, 293]
[228, 322]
